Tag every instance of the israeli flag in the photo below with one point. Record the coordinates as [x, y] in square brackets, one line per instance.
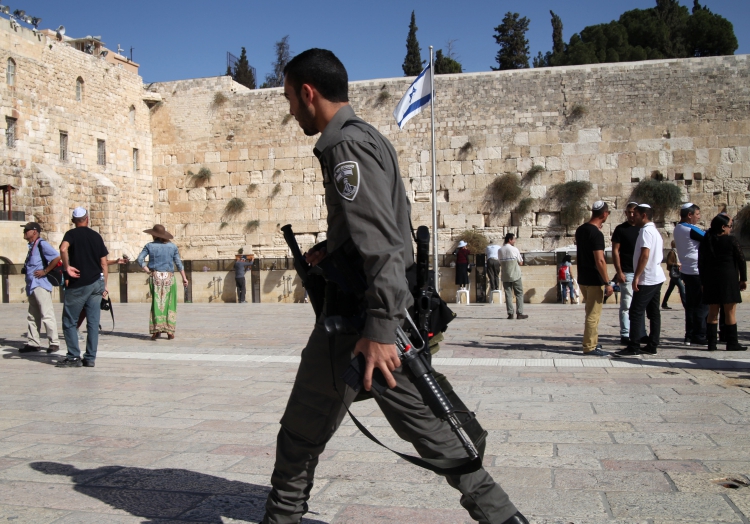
[417, 96]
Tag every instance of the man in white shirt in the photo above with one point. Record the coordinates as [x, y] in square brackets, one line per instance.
[647, 282]
[493, 264]
[510, 262]
[687, 237]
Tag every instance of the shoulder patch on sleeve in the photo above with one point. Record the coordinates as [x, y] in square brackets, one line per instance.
[346, 179]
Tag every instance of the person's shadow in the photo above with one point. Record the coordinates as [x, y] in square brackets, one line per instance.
[167, 493]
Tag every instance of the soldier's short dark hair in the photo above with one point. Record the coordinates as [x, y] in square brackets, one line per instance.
[688, 211]
[321, 69]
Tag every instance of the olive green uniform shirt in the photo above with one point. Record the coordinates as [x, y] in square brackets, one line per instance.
[366, 201]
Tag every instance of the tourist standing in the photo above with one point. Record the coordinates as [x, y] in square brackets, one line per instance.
[510, 262]
[723, 272]
[240, 268]
[647, 282]
[163, 256]
[623, 247]
[687, 237]
[462, 265]
[41, 259]
[592, 275]
[84, 258]
[493, 264]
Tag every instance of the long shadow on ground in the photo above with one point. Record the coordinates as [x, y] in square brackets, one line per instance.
[167, 493]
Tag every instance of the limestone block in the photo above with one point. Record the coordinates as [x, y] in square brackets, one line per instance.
[650, 145]
[723, 171]
[458, 142]
[553, 163]
[525, 231]
[665, 158]
[576, 174]
[589, 135]
[638, 173]
[212, 156]
[537, 137]
[728, 155]
[243, 154]
[521, 139]
[197, 194]
[478, 167]
[474, 221]
[538, 191]
[608, 161]
[453, 221]
[547, 219]
[524, 164]
[680, 143]
[491, 153]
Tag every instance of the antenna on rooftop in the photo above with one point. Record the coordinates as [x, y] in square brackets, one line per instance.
[119, 49]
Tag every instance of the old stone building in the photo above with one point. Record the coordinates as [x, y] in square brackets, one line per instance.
[612, 125]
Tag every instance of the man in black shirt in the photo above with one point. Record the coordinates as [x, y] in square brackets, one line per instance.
[592, 275]
[623, 247]
[84, 258]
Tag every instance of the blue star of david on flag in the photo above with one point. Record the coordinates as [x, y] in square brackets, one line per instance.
[416, 97]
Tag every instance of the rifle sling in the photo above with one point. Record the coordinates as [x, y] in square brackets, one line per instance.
[439, 466]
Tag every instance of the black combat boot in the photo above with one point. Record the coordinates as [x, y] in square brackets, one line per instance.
[733, 343]
[517, 519]
[711, 336]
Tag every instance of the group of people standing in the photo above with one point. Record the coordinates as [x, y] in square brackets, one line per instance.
[709, 263]
[83, 260]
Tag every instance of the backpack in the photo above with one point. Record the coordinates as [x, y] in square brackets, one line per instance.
[55, 276]
[562, 273]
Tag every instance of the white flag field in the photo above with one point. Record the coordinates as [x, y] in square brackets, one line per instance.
[416, 97]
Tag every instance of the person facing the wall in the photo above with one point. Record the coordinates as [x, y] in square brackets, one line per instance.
[510, 262]
[592, 275]
[687, 237]
[240, 268]
[42, 259]
[493, 264]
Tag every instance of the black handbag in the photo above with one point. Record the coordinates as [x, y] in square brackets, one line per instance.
[55, 276]
[674, 272]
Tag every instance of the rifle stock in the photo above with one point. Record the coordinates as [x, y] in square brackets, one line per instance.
[312, 282]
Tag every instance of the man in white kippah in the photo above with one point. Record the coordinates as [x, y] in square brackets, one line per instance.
[687, 238]
[647, 282]
[592, 275]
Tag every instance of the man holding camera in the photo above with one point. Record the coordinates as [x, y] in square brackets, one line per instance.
[42, 259]
[84, 258]
[367, 209]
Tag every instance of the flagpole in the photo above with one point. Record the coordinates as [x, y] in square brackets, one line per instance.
[434, 176]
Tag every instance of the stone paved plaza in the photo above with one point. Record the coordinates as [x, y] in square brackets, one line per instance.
[184, 431]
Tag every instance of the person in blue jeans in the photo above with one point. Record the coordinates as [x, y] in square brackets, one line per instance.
[84, 258]
[624, 238]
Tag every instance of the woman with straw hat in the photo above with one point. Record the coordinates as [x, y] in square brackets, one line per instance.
[162, 258]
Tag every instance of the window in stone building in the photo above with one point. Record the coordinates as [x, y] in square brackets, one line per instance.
[10, 132]
[10, 73]
[132, 114]
[79, 89]
[135, 160]
[101, 152]
[63, 146]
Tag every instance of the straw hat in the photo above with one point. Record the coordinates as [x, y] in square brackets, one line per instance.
[159, 231]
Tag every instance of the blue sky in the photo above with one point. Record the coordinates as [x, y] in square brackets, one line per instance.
[188, 39]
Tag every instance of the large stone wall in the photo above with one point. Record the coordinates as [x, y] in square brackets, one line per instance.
[43, 100]
[688, 119]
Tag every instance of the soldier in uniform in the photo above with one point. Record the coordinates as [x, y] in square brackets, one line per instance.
[366, 203]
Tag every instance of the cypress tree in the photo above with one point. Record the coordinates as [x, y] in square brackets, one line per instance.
[514, 46]
[413, 62]
[243, 73]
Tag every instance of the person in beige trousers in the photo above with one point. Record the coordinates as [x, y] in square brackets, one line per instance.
[39, 290]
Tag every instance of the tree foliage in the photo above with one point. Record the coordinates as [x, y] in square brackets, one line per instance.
[283, 55]
[413, 63]
[667, 30]
[243, 73]
[514, 46]
[445, 65]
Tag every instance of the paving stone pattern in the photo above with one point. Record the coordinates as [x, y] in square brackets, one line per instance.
[184, 431]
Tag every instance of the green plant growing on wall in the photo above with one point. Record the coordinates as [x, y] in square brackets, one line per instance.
[383, 98]
[219, 99]
[275, 191]
[572, 198]
[534, 171]
[252, 188]
[661, 195]
[203, 176]
[525, 205]
[240, 250]
[286, 119]
[476, 242]
[251, 226]
[506, 188]
[277, 174]
[577, 112]
[223, 225]
[464, 150]
[234, 207]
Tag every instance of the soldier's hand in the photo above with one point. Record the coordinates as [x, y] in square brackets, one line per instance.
[377, 355]
[314, 257]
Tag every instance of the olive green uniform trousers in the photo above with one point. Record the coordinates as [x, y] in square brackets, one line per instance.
[314, 412]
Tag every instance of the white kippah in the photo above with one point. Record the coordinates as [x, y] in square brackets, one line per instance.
[632, 203]
[644, 205]
[598, 205]
[687, 205]
[79, 212]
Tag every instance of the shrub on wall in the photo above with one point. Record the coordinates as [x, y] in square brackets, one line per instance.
[661, 195]
[506, 188]
[234, 207]
[203, 176]
[476, 242]
[572, 198]
[524, 206]
[251, 226]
